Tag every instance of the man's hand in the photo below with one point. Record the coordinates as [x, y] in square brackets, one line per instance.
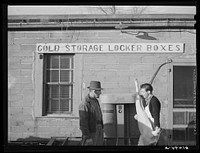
[156, 132]
[89, 142]
[136, 117]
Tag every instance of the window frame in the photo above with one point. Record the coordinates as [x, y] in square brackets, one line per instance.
[46, 83]
[38, 76]
[171, 109]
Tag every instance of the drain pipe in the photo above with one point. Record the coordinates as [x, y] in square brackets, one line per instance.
[168, 61]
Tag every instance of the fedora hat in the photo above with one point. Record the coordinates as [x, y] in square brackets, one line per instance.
[95, 85]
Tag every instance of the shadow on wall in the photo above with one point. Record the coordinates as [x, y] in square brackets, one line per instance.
[111, 138]
[164, 140]
[185, 136]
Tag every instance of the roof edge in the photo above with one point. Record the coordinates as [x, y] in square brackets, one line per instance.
[102, 16]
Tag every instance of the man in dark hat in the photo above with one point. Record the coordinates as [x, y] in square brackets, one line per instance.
[91, 120]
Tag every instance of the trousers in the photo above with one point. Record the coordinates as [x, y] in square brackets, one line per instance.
[97, 137]
[143, 141]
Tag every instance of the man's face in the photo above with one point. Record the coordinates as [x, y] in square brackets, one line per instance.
[144, 93]
[97, 93]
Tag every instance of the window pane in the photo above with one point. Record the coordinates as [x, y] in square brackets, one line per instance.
[191, 134]
[55, 62]
[179, 134]
[54, 76]
[65, 76]
[184, 134]
[65, 92]
[184, 86]
[183, 82]
[54, 91]
[179, 118]
[192, 118]
[64, 62]
[54, 105]
[64, 105]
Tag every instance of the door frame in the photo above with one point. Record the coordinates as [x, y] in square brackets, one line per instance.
[176, 62]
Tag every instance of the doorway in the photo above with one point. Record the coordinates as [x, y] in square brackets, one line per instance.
[183, 96]
[131, 129]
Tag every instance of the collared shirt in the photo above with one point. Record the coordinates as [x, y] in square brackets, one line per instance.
[148, 99]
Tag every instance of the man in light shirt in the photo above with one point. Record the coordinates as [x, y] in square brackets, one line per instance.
[152, 108]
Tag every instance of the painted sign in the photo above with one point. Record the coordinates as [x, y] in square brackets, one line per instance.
[110, 48]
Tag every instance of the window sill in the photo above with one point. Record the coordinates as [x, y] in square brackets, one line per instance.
[60, 116]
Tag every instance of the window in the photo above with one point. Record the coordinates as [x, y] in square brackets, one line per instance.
[58, 84]
[184, 104]
[184, 86]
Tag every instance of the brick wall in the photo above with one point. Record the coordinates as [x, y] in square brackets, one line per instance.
[116, 72]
